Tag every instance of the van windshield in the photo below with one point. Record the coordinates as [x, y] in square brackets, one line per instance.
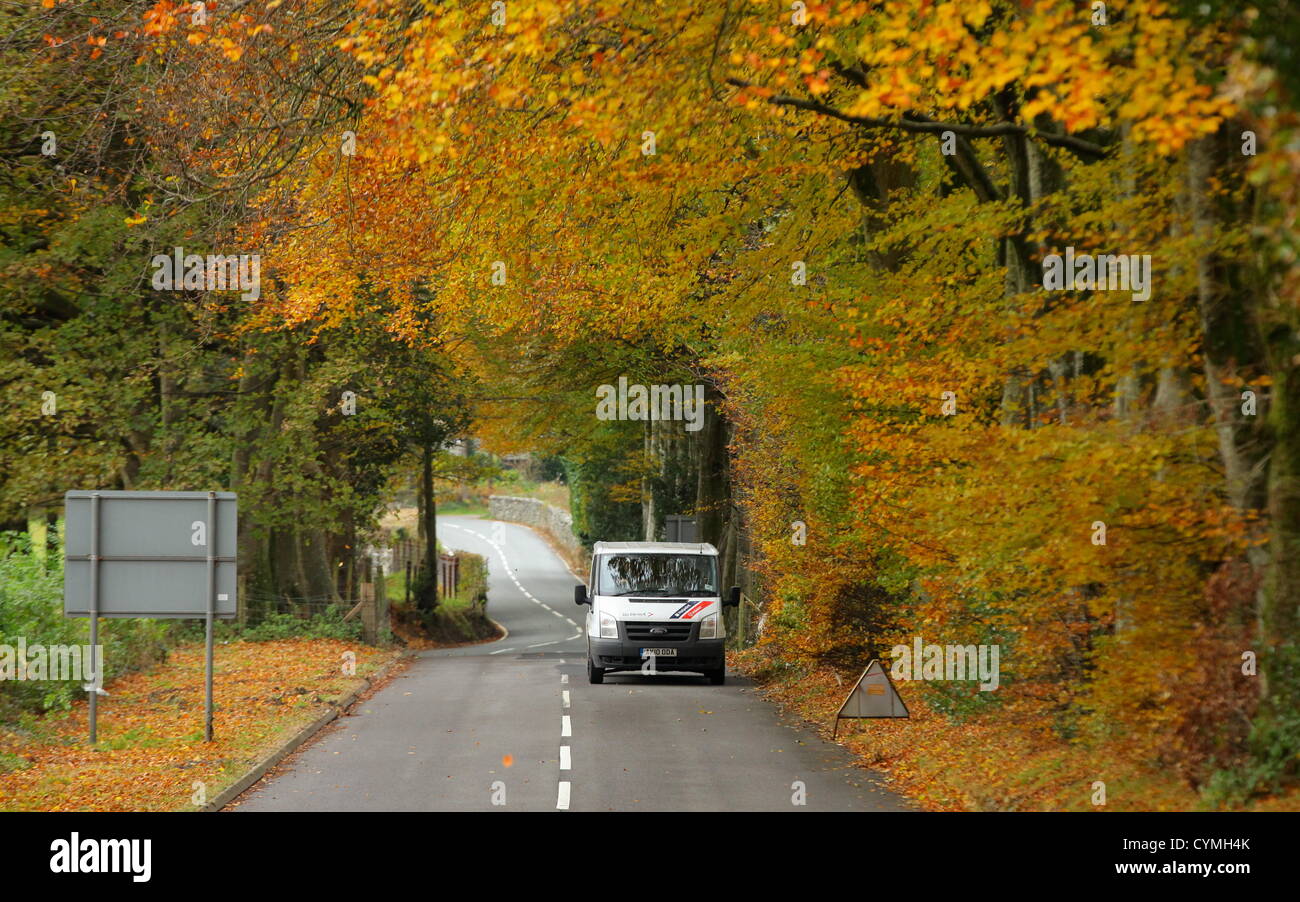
[656, 574]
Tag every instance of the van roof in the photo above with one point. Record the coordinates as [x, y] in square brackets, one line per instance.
[654, 548]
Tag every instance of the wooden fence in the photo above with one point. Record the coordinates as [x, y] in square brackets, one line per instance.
[408, 558]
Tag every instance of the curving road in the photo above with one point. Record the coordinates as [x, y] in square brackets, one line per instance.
[513, 725]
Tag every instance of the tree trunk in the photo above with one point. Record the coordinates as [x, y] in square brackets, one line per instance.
[245, 538]
[321, 576]
[426, 594]
[648, 513]
[1229, 337]
[711, 490]
[1261, 459]
[301, 589]
[38, 531]
[1033, 176]
[1279, 605]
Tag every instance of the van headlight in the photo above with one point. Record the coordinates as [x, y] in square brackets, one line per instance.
[712, 627]
[608, 627]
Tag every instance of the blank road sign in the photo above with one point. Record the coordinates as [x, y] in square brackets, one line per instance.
[873, 696]
[153, 550]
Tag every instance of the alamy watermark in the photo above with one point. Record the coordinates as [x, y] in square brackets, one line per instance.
[180, 271]
[1102, 272]
[921, 661]
[83, 663]
[655, 402]
[103, 856]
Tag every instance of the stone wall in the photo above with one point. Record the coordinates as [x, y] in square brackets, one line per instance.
[550, 521]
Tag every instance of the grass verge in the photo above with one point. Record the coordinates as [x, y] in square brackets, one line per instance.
[151, 755]
[1002, 762]
[460, 619]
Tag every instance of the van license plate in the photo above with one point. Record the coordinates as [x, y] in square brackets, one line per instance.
[659, 652]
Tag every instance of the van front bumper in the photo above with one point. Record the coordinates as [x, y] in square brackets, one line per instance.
[697, 655]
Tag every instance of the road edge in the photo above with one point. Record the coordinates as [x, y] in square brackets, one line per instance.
[263, 767]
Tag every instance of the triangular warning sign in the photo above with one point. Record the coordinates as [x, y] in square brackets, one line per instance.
[873, 696]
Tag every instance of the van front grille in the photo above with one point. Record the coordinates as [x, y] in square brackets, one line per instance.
[647, 631]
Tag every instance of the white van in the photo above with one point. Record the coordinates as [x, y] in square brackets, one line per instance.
[655, 605]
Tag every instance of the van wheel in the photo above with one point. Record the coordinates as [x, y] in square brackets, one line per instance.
[718, 677]
[594, 674]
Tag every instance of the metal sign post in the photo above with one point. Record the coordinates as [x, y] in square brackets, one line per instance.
[93, 688]
[211, 615]
[133, 554]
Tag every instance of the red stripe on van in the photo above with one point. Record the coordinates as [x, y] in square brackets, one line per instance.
[695, 610]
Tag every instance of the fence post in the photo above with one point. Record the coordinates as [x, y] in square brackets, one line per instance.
[740, 622]
[381, 606]
[370, 606]
[448, 574]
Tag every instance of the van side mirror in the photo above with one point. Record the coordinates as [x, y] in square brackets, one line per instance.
[580, 595]
[734, 600]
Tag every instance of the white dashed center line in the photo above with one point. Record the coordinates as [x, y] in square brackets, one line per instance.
[566, 722]
[566, 755]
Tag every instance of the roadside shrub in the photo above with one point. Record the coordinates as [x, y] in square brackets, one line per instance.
[277, 625]
[31, 612]
[473, 579]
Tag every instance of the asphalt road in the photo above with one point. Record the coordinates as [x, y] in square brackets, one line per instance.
[514, 725]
